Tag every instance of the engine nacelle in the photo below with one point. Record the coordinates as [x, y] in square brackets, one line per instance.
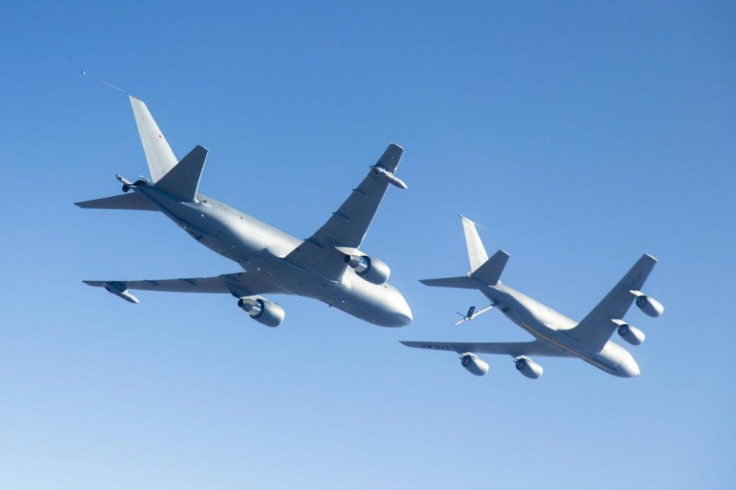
[630, 334]
[373, 270]
[474, 364]
[648, 305]
[529, 368]
[263, 311]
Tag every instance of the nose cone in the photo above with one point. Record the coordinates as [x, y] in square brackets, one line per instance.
[400, 313]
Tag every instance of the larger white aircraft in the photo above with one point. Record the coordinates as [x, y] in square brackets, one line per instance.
[556, 335]
[328, 266]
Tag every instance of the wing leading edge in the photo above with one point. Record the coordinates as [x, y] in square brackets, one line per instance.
[324, 252]
[515, 349]
[598, 326]
[238, 284]
[348, 225]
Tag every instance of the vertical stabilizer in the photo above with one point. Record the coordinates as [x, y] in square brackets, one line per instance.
[476, 252]
[158, 152]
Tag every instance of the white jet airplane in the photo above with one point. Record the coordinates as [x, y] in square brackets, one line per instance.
[556, 335]
[328, 266]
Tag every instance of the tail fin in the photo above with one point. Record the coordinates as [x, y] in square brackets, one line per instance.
[476, 252]
[158, 152]
[182, 181]
[483, 269]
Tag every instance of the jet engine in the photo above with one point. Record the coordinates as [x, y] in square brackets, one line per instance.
[630, 334]
[263, 311]
[474, 364]
[372, 270]
[648, 305]
[528, 368]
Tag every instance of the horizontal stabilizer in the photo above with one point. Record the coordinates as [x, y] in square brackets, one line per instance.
[491, 270]
[131, 200]
[462, 282]
[182, 181]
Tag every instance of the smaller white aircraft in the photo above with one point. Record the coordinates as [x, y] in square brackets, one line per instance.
[556, 335]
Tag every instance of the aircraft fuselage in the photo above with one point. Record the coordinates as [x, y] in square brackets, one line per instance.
[262, 250]
[550, 326]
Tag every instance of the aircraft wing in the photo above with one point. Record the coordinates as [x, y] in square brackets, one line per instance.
[348, 225]
[238, 284]
[598, 326]
[515, 349]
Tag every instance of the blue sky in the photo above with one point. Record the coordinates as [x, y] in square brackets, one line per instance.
[580, 134]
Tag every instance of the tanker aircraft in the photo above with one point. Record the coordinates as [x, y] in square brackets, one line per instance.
[328, 266]
[556, 335]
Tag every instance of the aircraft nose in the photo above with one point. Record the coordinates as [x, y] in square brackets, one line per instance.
[401, 314]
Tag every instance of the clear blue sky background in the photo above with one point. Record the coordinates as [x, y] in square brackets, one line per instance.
[580, 134]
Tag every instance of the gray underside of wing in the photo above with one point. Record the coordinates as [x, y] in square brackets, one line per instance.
[516, 349]
[237, 284]
[597, 327]
[348, 225]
